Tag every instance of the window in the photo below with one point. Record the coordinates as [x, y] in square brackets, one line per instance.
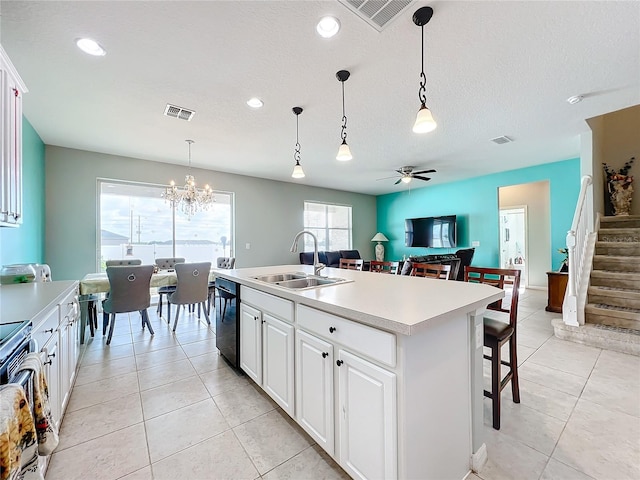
[330, 223]
[135, 221]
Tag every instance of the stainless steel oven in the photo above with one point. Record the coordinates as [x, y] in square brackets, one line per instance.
[14, 346]
[228, 320]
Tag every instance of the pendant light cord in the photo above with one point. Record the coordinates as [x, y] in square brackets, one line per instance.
[343, 132]
[296, 153]
[423, 78]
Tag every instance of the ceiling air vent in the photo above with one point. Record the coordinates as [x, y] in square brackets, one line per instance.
[178, 112]
[377, 13]
[501, 140]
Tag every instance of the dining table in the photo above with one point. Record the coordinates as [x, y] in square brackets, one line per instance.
[94, 284]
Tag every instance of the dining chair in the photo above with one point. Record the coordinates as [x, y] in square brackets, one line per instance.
[123, 262]
[227, 263]
[431, 270]
[128, 292]
[351, 263]
[384, 267]
[168, 263]
[192, 287]
[497, 332]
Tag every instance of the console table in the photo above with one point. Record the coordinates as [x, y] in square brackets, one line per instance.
[557, 284]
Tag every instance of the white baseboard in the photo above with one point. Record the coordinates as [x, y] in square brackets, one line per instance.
[479, 459]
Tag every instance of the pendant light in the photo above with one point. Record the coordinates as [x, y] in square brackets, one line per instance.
[424, 120]
[344, 152]
[297, 169]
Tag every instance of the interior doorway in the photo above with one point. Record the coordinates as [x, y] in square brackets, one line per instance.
[533, 246]
[513, 240]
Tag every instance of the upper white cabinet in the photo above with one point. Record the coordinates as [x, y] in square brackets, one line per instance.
[12, 88]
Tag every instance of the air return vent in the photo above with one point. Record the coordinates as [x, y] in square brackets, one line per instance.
[178, 112]
[501, 140]
[377, 13]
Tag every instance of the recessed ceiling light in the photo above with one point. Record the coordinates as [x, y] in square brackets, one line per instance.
[575, 99]
[328, 26]
[255, 102]
[91, 47]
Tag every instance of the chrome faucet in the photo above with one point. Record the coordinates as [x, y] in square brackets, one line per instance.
[317, 266]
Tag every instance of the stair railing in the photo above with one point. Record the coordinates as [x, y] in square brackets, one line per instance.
[580, 245]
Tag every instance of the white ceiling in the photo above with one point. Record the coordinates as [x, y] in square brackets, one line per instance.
[493, 68]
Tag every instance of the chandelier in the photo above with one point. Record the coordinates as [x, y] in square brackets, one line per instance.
[189, 199]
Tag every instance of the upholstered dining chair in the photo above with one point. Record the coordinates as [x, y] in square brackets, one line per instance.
[123, 262]
[384, 267]
[128, 292]
[222, 262]
[192, 287]
[497, 332]
[351, 263]
[431, 270]
[168, 263]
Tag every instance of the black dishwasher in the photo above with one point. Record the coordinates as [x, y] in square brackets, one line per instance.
[228, 320]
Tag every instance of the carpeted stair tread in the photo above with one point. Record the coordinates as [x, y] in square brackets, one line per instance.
[630, 221]
[618, 248]
[613, 309]
[611, 289]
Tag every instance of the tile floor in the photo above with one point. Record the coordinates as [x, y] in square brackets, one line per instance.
[168, 407]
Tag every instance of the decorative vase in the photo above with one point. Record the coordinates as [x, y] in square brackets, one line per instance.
[620, 193]
[379, 252]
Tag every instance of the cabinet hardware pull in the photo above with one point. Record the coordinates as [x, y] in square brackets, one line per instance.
[325, 354]
[339, 362]
[255, 318]
[332, 329]
[48, 330]
[51, 355]
[48, 363]
[263, 321]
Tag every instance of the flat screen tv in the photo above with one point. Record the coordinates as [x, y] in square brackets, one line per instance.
[432, 232]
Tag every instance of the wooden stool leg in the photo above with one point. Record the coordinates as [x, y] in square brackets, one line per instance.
[515, 386]
[495, 384]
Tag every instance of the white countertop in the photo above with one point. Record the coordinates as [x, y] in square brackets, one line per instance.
[26, 301]
[396, 303]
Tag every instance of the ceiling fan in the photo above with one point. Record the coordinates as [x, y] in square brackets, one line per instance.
[407, 174]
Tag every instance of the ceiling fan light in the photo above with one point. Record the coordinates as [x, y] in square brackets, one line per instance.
[424, 121]
[297, 171]
[406, 179]
[344, 152]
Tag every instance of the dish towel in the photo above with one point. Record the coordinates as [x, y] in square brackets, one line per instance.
[18, 443]
[45, 425]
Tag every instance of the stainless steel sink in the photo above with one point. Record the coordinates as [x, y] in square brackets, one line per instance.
[299, 281]
[280, 277]
[309, 282]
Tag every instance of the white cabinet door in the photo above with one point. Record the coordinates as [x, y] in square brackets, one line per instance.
[314, 389]
[11, 90]
[65, 364]
[251, 342]
[52, 374]
[277, 361]
[367, 418]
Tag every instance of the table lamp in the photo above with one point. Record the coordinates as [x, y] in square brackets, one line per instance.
[379, 237]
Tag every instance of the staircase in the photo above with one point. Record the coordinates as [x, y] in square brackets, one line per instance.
[614, 291]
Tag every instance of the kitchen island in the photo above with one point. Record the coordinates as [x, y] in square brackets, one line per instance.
[383, 371]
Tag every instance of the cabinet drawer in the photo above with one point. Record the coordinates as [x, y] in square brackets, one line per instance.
[265, 302]
[373, 343]
[69, 307]
[46, 329]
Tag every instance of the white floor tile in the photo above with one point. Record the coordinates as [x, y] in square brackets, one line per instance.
[172, 396]
[271, 439]
[243, 404]
[311, 463]
[559, 471]
[159, 357]
[552, 378]
[182, 428]
[218, 458]
[106, 458]
[95, 421]
[165, 373]
[567, 356]
[103, 391]
[602, 443]
[208, 362]
[222, 380]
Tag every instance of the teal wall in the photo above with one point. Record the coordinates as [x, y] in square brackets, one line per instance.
[25, 244]
[475, 202]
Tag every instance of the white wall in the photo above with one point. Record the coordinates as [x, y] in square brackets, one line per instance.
[536, 196]
[268, 214]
